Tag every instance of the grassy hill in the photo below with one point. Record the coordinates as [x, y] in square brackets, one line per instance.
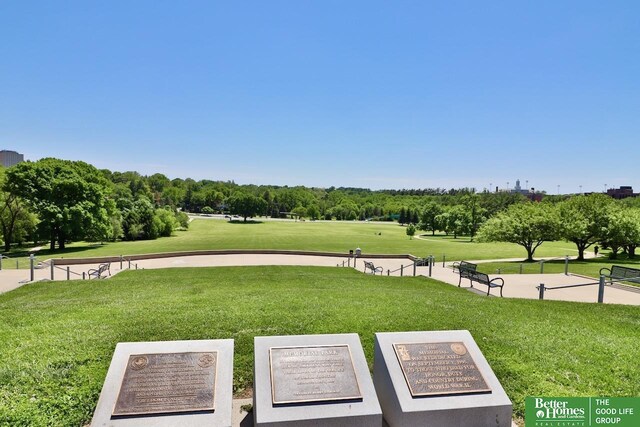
[58, 337]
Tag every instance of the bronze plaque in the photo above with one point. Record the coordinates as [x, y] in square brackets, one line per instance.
[439, 369]
[312, 374]
[166, 383]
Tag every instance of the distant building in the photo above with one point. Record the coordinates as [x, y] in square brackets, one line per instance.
[530, 194]
[10, 158]
[622, 192]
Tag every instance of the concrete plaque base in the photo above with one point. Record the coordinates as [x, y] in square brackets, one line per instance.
[445, 364]
[316, 371]
[168, 383]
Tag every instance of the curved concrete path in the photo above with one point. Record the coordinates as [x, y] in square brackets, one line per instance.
[516, 285]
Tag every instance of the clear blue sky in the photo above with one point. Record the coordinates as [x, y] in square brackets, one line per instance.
[378, 94]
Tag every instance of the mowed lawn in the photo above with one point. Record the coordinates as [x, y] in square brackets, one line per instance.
[57, 338]
[334, 236]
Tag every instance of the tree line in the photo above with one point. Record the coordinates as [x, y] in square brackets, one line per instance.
[59, 201]
[584, 220]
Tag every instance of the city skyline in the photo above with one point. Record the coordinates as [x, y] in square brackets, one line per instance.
[363, 94]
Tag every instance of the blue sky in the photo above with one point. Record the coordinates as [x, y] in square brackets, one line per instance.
[374, 94]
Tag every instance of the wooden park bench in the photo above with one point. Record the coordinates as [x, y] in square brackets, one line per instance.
[97, 273]
[619, 272]
[497, 282]
[369, 266]
[465, 270]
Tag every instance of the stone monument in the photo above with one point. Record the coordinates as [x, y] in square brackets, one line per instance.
[437, 378]
[168, 383]
[313, 380]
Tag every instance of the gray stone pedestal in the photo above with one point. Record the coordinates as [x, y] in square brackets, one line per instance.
[437, 379]
[313, 380]
[168, 384]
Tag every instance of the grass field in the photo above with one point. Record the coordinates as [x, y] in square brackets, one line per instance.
[373, 237]
[58, 337]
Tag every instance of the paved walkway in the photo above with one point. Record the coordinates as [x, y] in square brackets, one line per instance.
[516, 285]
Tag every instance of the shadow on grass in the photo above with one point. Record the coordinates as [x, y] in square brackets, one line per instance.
[25, 251]
[239, 221]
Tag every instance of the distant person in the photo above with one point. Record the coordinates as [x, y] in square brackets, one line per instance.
[596, 249]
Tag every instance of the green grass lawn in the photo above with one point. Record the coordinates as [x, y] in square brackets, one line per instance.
[373, 238]
[57, 338]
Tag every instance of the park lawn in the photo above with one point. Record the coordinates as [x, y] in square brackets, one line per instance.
[58, 337]
[588, 267]
[332, 236]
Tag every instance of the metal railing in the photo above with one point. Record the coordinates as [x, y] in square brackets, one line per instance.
[418, 262]
[6, 257]
[601, 285]
[520, 268]
[34, 264]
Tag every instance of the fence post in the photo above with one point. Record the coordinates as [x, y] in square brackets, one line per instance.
[566, 265]
[68, 273]
[129, 264]
[401, 270]
[541, 266]
[52, 269]
[83, 275]
[121, 262]
[520, 268]
[430, 264]
[31, 267]
[541, 288]
[601, 289]
[414, 267]
[388, 272]
[443, 259]
[136, 265]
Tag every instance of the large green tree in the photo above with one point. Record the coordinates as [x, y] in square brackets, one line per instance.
[246, 205]
[15, 219]
[475, 212]
[584, 220]
[622, 231]
[526, 224]
[68, 197]
[429, 217]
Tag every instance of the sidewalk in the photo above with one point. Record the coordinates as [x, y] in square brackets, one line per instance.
[516, 285]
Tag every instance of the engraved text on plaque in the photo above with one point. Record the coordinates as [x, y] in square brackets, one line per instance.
[312, 374]
[439, 369]
[166, 383]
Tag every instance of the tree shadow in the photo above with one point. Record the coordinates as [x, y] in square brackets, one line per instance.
[249, 221]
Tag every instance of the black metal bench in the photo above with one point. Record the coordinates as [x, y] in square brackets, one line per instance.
[497, 282]
[369, 266]
[465, 269]
[97, 273]
[619, 272]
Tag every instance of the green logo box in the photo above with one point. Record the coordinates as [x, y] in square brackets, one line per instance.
[582, 411]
